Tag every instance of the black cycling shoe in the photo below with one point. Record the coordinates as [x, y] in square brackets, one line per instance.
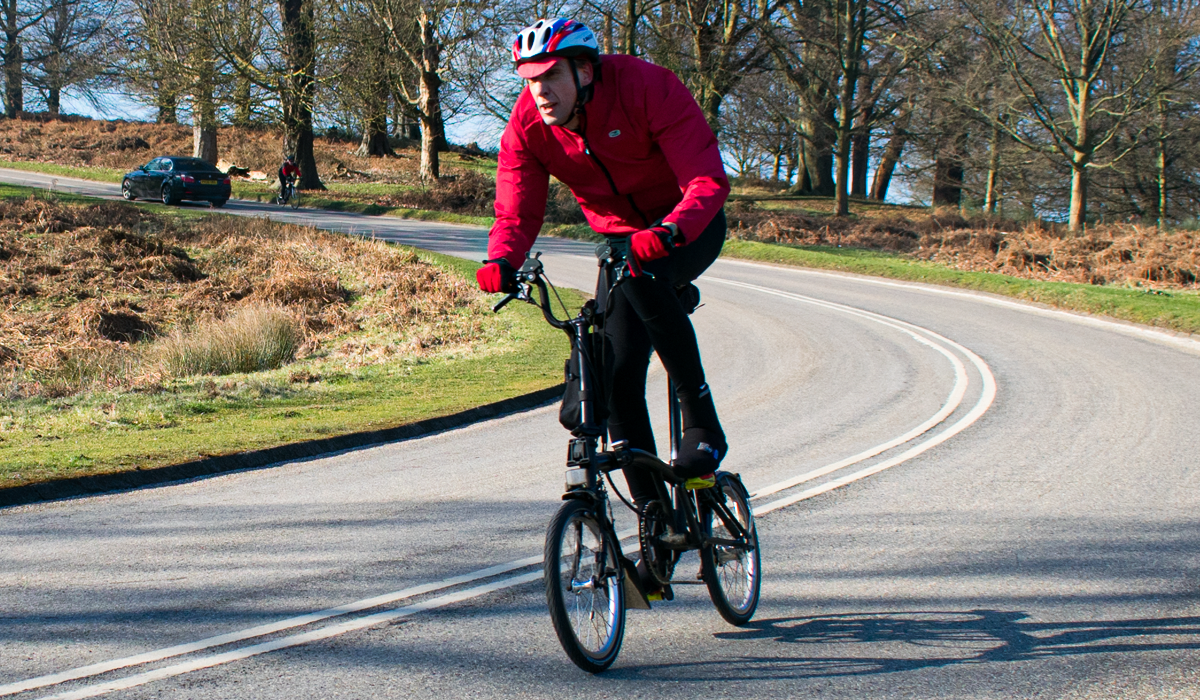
[700, 453]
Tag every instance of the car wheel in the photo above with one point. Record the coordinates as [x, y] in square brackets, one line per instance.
[127, 190]
[168, 195]
[217, 203]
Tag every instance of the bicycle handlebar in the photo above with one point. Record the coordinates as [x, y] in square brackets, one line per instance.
[530, 275]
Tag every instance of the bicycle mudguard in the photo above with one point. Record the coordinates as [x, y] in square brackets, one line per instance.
[635, 597]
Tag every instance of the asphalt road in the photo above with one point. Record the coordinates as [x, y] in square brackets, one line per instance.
[959, 496]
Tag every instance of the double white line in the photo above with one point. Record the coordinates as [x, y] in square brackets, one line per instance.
[926, 337]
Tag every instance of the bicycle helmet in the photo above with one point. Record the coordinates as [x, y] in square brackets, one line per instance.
[538, 45]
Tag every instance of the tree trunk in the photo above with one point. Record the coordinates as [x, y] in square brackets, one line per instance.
[204, 144]
[948, 173]
[989, 197]
[631, 20]
[374, 139]
[1080, 157]
[242, 109]
[1078, 214]
[429, 102]
[1161, 157]
[300, 91]
[53, 100]
[14, 92]
[167, 104]
[860, 152]
[845, 133]
[204, 110]
[841, 202]
[947, 181]
[608, 33]
[429, 140]
[890, 157]
[816, 145]
[712, 110]
[860, 144]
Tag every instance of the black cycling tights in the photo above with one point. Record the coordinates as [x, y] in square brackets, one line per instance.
[645, 314]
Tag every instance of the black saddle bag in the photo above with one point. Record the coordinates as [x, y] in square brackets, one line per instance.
[570, 413]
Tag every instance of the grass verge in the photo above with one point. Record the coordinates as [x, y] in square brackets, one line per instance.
[1177, 311]
[106, 430]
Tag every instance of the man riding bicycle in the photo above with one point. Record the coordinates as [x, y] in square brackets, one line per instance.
[632, 144]
[289, 172]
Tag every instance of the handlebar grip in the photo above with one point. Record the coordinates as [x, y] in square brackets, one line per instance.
[500, 304]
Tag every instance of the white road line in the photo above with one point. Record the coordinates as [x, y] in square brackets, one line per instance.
[987, 396]
[294, 640]
[271, 628]
[981, 407]
[953, 401]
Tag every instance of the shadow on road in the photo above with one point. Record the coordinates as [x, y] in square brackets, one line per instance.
[909, 641]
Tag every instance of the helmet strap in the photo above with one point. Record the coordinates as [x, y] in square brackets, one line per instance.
[583, 93]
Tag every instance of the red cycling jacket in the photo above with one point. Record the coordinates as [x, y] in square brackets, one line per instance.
[289, 170]
[645, 154]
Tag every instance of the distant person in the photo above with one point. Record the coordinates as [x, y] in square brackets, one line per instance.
[289, 172]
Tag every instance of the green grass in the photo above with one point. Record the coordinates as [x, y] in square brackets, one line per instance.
[1178, 311]
[319, 397]
[81, 172]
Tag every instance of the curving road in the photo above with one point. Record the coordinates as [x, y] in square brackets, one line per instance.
[959, 496]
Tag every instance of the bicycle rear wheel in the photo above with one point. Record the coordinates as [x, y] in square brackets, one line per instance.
[584, 587]
[732, 574]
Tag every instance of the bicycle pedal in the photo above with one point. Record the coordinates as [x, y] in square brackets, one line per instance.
[664, 593]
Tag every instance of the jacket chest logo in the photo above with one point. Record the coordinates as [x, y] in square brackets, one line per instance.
[614, 133]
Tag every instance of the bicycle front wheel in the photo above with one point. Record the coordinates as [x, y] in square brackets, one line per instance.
[294, 198]
[731, 572]
[584, 587]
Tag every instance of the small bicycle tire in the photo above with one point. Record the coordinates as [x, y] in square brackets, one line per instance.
[294, 198]
[733, 574]
[584, 587]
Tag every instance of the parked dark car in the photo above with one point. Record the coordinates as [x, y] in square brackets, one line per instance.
[176, 178]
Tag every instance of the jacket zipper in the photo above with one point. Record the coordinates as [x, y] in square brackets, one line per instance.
[587, 148]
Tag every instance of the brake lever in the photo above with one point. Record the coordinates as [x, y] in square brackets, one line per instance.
[523, 291]
[503, 302]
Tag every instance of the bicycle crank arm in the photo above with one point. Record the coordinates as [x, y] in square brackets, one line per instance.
[722, 542]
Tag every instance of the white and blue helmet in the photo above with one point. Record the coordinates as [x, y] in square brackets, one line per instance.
[538, 45]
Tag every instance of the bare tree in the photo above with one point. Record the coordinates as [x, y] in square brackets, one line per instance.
[153, 55]
[69, 48]
[422, 33]
[825, 48]
[283, 63]
[16, 17]
[711, 44]
[1080, 78]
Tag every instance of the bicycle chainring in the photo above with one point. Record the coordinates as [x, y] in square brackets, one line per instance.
[652, 525]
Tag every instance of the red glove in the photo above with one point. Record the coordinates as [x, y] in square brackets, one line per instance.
[496, 276]
[650, 244]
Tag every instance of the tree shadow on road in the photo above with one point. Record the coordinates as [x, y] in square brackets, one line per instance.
[861, 644]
